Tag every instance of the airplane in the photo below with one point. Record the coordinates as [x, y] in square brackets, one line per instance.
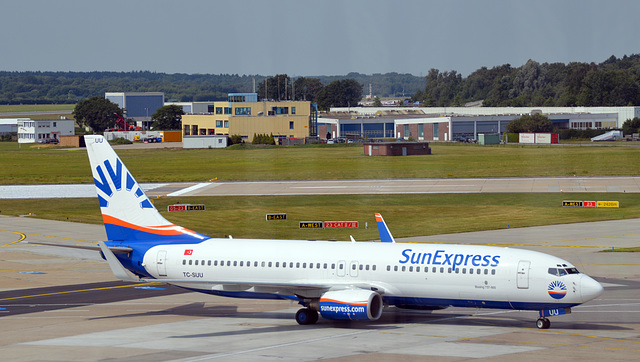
[335, 280]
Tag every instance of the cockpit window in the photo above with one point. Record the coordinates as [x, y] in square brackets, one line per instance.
[562, 271]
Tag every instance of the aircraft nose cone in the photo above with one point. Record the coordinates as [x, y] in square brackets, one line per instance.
[590, 288]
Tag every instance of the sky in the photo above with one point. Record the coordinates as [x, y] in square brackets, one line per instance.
[310, 37]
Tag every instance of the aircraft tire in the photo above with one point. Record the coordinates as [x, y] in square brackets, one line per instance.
[306, 316]
[543, 323]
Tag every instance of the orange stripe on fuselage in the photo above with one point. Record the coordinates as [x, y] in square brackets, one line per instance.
[151, 229]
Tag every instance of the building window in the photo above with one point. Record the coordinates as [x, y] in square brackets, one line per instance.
[293, 110]
[187, 129]
[436, 130]
[194, 129]
[291, 125]
[420, 130]
[406, 131]
[218, 124]
[280, 110]
[218, 110]
[210, 109]
[243, 111]
[226, 124]
[227, 110]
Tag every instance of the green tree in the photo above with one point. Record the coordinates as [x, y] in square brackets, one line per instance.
[631, 126]
[530, 123]
[167, 118]
[340, 93]
[306, 88]
[277, 88]
[97, 113]
[377, 102]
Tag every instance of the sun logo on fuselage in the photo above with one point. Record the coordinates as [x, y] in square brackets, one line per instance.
[557, 289]
[116, 177]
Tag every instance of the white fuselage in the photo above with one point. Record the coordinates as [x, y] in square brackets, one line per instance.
[405, 274]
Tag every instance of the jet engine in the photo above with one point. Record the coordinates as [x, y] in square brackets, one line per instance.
[350, 304]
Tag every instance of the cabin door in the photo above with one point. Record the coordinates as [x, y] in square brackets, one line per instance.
[523, 274]
[161, 262]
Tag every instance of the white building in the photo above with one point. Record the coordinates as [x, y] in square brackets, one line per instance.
[9, 126]
[44, 130]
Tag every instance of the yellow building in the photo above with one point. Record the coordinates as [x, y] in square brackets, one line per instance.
[243, 115]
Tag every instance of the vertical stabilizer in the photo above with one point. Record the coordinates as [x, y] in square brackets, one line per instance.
[385, 234]
[127, 212]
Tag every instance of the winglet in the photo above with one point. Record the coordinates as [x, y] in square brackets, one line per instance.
[116, 267]
[385, 234]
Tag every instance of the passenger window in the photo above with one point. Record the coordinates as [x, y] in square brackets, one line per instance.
[184, 262]
[228, 262]
[235, 263]
[457, 270]
[441, 269]
[190, 261]
[202, 263]
[417, 268]
[493, 272]
[373, 267]
[449, 271]
[297, 265]
[241, 263]
[395, 268]
[388, 267]
[248, 263]
[269, 264]
[215, 263]
[341, 266]
[310, 265]
[486, 271]
[196, 262]
[434, 269]
[478, 271]
[470, 271]
[304, 265]
[361, 266]
[333, 266]
[263, 264]
[464, 270]
[255, 264]
[325, 265]
[208, 262]
[277, 264]
[284, 264]
[410, 268]
[367, 268]
[404, 268]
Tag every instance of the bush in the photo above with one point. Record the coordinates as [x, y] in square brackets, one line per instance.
[120, 141]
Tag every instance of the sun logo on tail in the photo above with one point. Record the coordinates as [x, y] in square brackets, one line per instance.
[557, 290]
[116, 177]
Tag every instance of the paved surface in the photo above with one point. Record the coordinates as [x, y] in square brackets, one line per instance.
[77, 312]
[409, 186]
[350, 187]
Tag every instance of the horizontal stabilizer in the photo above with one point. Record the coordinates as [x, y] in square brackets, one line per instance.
[116, 267]
[114, 249]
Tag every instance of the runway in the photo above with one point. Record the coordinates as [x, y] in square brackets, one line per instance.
[60, 304]
[344, 187]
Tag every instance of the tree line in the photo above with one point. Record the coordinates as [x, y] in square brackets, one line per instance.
[614, 82]
[72, 87]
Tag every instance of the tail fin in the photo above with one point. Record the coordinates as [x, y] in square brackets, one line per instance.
[127, 212]
[385, 234]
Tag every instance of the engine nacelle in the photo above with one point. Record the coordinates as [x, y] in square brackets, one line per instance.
[351, 304]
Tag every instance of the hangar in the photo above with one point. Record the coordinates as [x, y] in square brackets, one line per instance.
[451, 123]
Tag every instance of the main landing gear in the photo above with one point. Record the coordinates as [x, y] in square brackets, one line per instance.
[543, 323]
[306, 316]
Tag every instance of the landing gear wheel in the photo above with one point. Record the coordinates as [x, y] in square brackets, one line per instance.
[306, 316]
[543, 323]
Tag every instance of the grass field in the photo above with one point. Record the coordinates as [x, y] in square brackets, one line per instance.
[10, 108]
[406, 215]
[33, 165]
